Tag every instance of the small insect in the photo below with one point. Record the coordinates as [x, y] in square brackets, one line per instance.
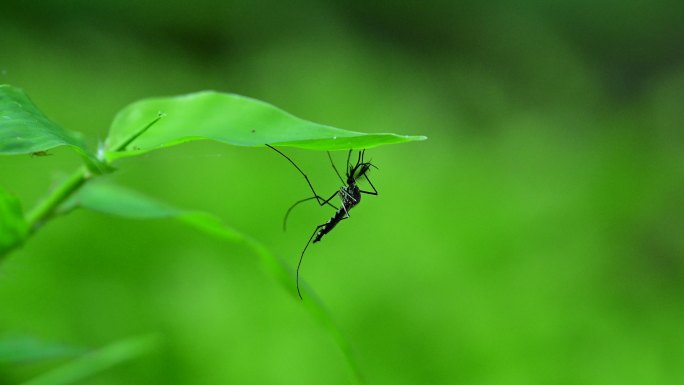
[40, 153]
[349, 194]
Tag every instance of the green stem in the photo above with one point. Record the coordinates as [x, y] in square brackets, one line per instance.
[122, 146]
[46, 208]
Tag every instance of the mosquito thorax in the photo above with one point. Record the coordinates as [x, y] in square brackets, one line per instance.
[350, 195]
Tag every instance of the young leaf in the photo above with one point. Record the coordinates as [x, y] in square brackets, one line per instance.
[24, 129]
[13, 227]
[230, 119]
[116, 200]
[21, 349]
[111, 199]
[97, 361]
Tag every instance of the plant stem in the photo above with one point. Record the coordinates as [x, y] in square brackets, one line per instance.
[122, 146]
[46, 208]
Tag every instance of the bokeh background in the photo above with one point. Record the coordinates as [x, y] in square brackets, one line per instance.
[535, 238]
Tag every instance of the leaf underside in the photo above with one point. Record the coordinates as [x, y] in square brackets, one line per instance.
[24, 129]
[205, 115]
[230, 119]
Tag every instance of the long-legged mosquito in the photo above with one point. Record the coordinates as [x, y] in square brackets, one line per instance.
[349, 194]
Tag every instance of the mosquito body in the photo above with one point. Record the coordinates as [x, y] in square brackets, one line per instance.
[349, 194]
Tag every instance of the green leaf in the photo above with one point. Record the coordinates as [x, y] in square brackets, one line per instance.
[230, 119]
[24, 129]
[13, 226]
[115, 200]
[16, 349]
[97, 361]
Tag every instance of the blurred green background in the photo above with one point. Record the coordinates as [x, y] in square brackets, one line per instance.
[535, 238]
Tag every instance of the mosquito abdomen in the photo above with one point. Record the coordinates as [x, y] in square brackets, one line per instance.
[332, 222]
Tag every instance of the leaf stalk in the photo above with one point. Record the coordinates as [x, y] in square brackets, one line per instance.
[47, 207]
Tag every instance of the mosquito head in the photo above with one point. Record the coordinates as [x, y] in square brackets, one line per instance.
[359, 169]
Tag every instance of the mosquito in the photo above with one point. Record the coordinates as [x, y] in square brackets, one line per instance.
[349, 194]
[40, 153]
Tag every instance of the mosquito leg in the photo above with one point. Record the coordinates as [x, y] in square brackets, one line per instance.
[318, 197]
[325, 202]
[334, 168]
[343, 194]
[345, 211]
[287, 214]
[374, 192]
[301, 257]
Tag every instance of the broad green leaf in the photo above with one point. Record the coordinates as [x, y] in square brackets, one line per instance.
[226, 118]
[15, 349]
[97, 361]
[24, 129]
[115, 200]
[13, 227]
